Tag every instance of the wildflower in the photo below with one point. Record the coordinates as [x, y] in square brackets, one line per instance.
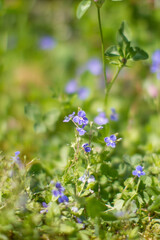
[94, 66]
[45, 206]
[71, 87]
[86, 148]
[84, 179]
[47, 42]
[101, 119]
[81, 131]
[155, 67]
[81, 118]
[111, 141]
[114, 115]
[69, 117]
[139, 171]
[79, 220]
[74, 209]
[16, 159]
[83, 93]
[59, 192]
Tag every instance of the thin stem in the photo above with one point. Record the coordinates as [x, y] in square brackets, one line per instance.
[111, 84]
[102, 47]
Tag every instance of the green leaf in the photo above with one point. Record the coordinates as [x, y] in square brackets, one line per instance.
[82, 8]
[122, 34]
[108, 217]
[119, 204]
[139, 54]
[108, 170]
[112, 51]
[40, 127]
[95, 207]
[155, 205]
[32, 111]
[51, 118]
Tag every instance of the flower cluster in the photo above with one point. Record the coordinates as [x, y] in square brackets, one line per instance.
[139, 171]
[155, 67]
[59, 192]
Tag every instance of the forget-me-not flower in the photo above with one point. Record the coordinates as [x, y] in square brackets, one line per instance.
[139, 171]
[69, 117]
[45, 206]
[59, 192]
[87, 178]
[71, 87]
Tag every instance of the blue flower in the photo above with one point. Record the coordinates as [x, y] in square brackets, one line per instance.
[71, 87]
[45, 206]
[155, 67]
[59, 192]
[139, 171]
[47, 42]
[114, 115]
[69, 117]
[87, 178]
[94, 65]
[81, 118]
[63, 199]
[86, 147]
[101, 119]
[16, 159]
[83, 93]
[111, 141]
[81, 131]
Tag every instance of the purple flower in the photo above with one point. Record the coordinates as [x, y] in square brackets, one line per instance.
[81, 131]
[111, 141]
[139, 171]
[69, 117]
[94, 66]
[16, 159]
[47, 42]
[83, 178]
[63, 198]
[86, 147]
[71, 87]
[155, 67]
[59, 191]
[83, 93]
[114, 115]
[101, 119]
[45, 206]
[81, 118]
[79, 220]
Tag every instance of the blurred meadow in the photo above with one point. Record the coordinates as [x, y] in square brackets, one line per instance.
[50, 64]
[43, 46]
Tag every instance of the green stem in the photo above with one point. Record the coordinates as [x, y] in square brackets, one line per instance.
[111, 84]
[102, 46]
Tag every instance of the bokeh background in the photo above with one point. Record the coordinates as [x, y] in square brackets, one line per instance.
[43, 46]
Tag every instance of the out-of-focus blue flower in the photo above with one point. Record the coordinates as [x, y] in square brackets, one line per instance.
[63, 199]
[74, 209]
[111, 141]
[101, 119]
[94, 65]
[114, 115]
[16, 159]
[59, 192]
[155, 67]
[87, 178]
[69, 117]
[139, 171]
[86, 147]
[45, 205]
[71, 87]
[79, 220]
[47, 42]
[83, 93]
